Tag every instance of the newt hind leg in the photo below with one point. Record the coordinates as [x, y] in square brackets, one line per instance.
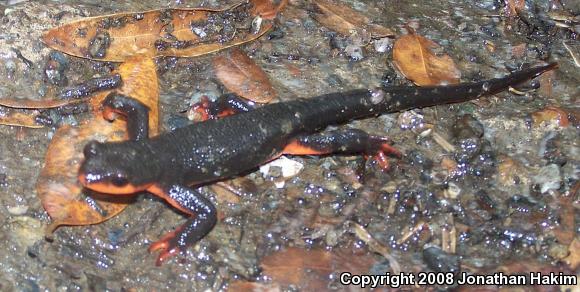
[346, 142]
[203, 219]
[225, 105]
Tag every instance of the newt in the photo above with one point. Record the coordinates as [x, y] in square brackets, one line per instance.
[168, 165]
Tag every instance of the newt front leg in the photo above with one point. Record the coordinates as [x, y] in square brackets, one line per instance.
[203, 217]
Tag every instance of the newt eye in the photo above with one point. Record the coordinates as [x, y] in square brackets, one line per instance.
[91, 149]
[119, 181]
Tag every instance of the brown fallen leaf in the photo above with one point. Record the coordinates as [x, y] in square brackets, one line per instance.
[512, 7]
[344, 20]
[547, 84]
[243, 76]
[37, 104]
[519, 51]
[566, 231]
[413, 57]
[307, 270]
[20, 119]
[268, 9]
[573, 259]
[551, 115]
[165, 32]
[61, 194]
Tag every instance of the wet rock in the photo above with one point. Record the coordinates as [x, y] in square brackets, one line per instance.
[520, 204]
[276, 34]
[483, 165]
[467, 149]
[548, 178]
[571, 5]
[490, 30]
[55, 68]
[10, 67]
[441, 261]
[452, 191]
[467, 127]
[571, 173]
[389, 78]
[337, 42]
[411, 120]
[475, 154]
[424, 163]
[43, 119]
[96, 283]
[517, 236]
[354, 52]
[383, 45]
[3, 181]
[26, 230]
[550, 149]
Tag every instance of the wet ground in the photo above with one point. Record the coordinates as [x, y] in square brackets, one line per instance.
[506, 189]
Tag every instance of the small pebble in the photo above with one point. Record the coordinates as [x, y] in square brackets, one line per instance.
[440, 261]
[548, 178]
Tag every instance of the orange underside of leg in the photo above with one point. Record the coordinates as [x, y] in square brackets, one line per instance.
[295, 148]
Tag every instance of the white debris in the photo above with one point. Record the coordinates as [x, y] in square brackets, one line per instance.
[289, 167]
[548, 178]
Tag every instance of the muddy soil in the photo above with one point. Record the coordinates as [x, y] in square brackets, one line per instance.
[507, 186]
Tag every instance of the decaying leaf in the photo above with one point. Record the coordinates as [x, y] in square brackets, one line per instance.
[166, 32]
[551, 116]
[62, 196]
[268, 9]
[566, 231]
[243, 76]
[37, 104]
[513, 7]
[307, 270]
[344, 20]
[573, 259]
[19, 119]
[414, 58]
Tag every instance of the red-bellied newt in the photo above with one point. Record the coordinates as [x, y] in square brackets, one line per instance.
[168, 165]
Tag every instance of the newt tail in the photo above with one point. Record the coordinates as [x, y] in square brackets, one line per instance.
[168, 164]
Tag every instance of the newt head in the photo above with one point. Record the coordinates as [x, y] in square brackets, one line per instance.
[116, 168]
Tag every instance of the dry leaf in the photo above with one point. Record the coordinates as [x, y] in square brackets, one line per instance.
[37, 104]
[547, 84]
[413, 57]
[20, 119]
[61, 194]
[267, 9]
[573, 260]
[344, 20]
[241, 75]
[513, 7]
[566, 231]
[166, 32]
[519, 51]
[551, 115]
